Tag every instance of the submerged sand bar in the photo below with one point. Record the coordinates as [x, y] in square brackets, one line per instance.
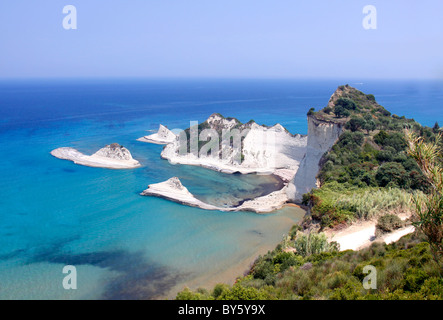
[112, 156]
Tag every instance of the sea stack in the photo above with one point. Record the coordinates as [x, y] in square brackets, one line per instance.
[112, 156]
[163, 136]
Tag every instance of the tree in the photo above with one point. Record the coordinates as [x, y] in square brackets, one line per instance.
[340, 111]
[429, 206]
[346, 103]
[369, 126]
[381, 137]
[436, 127]
[391, 174]
[327, 110]
[355, 123]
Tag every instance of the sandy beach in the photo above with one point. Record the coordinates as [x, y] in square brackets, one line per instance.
[362, 234]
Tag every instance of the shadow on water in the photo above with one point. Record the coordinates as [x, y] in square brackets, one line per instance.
[138, 278]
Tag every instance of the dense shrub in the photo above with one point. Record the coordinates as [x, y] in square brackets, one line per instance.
[391, 174]
[313, 243]
[388, 223]
[311, 111]
[340, 111]
[355, 123]
[346, 103]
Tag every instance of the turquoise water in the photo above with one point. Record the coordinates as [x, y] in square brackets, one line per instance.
[55, 213]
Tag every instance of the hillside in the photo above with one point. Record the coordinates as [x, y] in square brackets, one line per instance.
[366, 174]
[371, 153]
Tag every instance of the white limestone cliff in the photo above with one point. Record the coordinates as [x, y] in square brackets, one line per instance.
[262, 150]
[322, 135]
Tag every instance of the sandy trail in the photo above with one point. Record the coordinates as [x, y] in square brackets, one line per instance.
[362, 234]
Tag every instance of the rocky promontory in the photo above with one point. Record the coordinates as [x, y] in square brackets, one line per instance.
[172, 189]
[229, 146]
[113, 156]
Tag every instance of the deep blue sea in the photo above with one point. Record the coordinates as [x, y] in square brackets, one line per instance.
[125, 246]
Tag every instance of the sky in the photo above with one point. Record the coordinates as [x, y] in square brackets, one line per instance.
[222, 39]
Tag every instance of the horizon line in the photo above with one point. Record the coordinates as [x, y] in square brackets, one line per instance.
[18, 78]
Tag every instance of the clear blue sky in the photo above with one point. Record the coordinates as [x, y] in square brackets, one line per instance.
[222, 39]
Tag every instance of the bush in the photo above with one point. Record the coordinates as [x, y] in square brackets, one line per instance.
[239, 292]
[346, 103]
[219, 289]
[340, 111]
[327, 110]
[187, 294]
[355, 123]
[391, 174]
[313, 243]
[414, 279]
[387, 223]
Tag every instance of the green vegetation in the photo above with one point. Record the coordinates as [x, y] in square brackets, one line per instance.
[373, 171]
[372, 152]
[387, 223]
[429, 207]
[380, 160]
[405, 270]
[335, 203]
[314, 243]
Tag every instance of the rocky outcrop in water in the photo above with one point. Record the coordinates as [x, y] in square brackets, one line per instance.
[172, 189]
[113, 156]
[162, 136]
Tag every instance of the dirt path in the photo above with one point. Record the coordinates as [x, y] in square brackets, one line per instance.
[362, 234]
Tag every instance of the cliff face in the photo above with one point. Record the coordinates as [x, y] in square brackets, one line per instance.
[321, 137]
[225, 144]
